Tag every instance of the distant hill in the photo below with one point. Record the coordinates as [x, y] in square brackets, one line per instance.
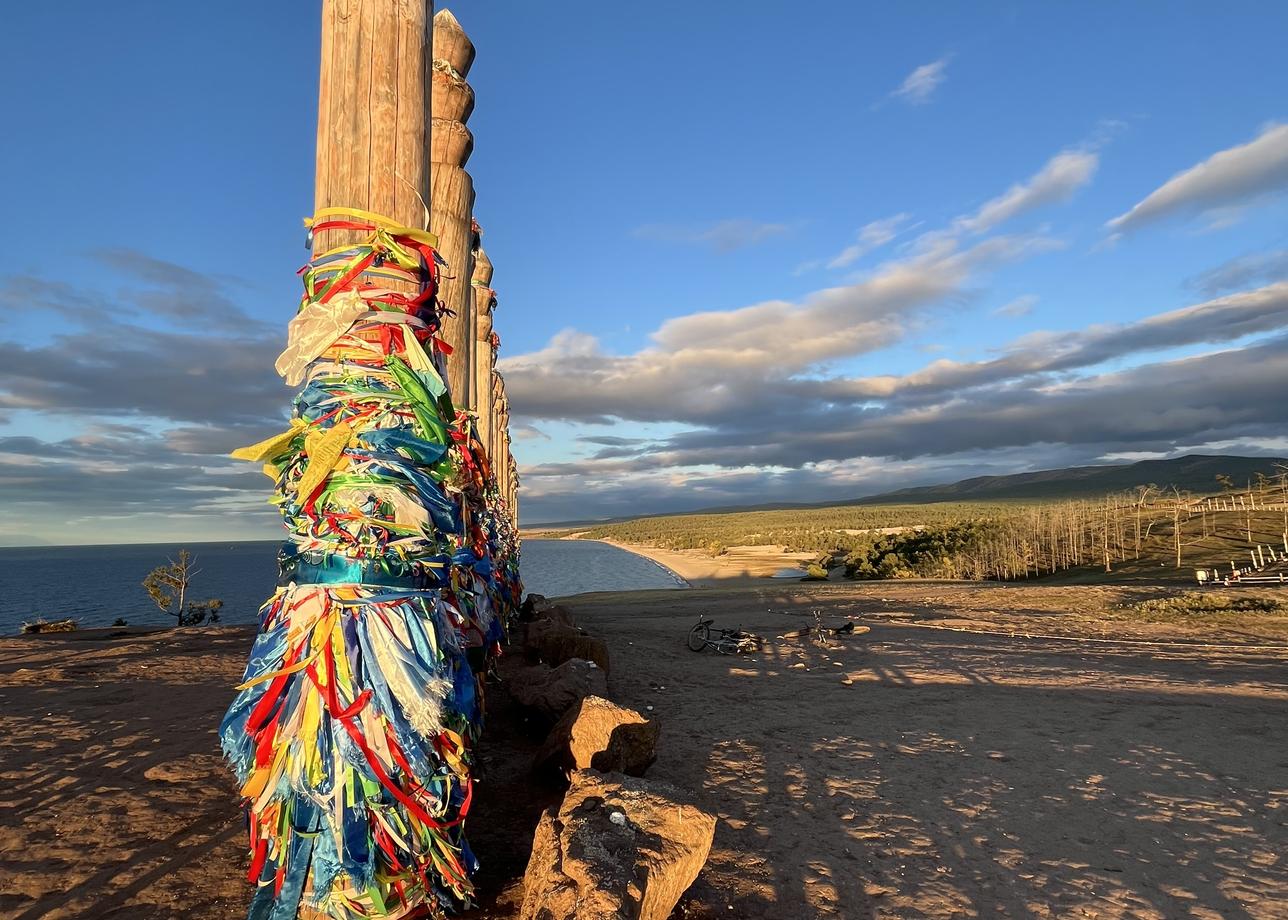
[1193, 473]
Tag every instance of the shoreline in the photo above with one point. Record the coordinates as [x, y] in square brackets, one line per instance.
[635, 551]
[741, 565]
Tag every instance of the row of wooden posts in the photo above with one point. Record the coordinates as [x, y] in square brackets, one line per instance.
[393, 101]
[1246, 502]
[1263, 555]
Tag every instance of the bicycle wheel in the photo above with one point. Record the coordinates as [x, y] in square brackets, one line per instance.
[699, 636]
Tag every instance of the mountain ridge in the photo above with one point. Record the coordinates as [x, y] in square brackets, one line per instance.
[1191, 472]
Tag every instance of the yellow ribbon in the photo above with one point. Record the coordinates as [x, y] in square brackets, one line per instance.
[326, 454]
[386, 223]
[272, 447]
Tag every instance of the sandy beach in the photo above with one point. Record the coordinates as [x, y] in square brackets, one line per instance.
[739, 565]
[911, 772]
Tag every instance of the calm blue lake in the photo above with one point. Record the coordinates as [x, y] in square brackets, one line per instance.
[98, 584]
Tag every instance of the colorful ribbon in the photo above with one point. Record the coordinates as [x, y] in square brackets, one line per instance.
[351, 732]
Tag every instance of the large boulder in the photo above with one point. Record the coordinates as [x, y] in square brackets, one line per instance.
[555, 643]
[531, 605]
[550, 692]
[600, 735]
[618, 848]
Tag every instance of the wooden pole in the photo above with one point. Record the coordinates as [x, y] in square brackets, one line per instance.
[514, 485]
[484, 300]
[498, 459]
[373, 111]
[501, 422]
[452, 196]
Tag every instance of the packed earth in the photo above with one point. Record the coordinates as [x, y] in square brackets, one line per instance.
[937, 766]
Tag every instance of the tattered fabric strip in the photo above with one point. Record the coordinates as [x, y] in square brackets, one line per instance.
[352, 731]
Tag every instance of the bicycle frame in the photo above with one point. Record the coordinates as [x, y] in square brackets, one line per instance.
[728, 641]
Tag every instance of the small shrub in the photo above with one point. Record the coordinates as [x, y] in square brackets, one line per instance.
[1197, 603]
[50, 626]
[206, 612]
[815, 572]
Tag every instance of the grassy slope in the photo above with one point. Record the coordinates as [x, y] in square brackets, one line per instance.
[822, 529]
[812, 529]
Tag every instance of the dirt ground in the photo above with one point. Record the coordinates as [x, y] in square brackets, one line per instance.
[906, 773]
[917, 773]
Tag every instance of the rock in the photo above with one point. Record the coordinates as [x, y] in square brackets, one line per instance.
[170, 772]
[597, 734]
[555, 643]
[550, 692]
[557, 613]
[531, 605]
[618, 848]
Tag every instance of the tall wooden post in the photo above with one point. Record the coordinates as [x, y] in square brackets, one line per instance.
[502, 462]
[373, 111]
[514, 478]
[452, 199]
[351, 732]
[484, 300]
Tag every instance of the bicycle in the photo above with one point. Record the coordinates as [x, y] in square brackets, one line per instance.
[729, 641]
[822, 635]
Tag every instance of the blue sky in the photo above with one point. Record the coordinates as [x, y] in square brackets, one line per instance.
[800, 252]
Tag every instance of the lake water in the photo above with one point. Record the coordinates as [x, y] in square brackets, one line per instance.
[97, 584]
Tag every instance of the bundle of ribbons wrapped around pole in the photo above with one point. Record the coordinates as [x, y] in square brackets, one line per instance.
[353, 730]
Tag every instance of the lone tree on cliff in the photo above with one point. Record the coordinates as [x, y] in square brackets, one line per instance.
[167, 585]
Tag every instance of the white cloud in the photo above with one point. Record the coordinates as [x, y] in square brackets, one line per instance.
[1223, 319]
[705, 365]
[1223, 181]
[919, 85]
[871, 236]
[760, 411]
[708, 367]
[528, 433]
[1020, 306]
[723, 236]
[1242, 271]
[1056, 181]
